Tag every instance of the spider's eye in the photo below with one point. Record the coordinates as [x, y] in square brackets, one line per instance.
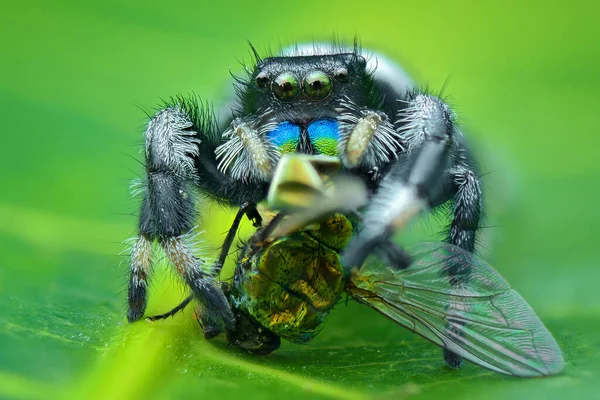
[341, 74]
[285, 86]
[262, 80]
[362, 63]
[317, 85]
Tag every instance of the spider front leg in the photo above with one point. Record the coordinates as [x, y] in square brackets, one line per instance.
[168, 215]
[458, 185]
[413, 182]
[436, 168]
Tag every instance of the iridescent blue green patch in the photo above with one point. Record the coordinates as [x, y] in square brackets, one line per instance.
[323, 135]
[285, 136]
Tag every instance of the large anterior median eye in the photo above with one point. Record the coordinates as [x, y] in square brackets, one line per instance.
[285, 86]
[317, 85]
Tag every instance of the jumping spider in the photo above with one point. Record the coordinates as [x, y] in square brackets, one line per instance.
[402, 143]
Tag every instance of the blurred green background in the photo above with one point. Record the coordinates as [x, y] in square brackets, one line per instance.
[75, 81]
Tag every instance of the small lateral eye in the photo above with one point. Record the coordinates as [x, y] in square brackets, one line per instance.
[362, 62]
[262, 80]
[341, 74]
[317, 85]
[285, 86]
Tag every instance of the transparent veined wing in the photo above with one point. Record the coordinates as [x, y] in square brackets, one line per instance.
[477, 315]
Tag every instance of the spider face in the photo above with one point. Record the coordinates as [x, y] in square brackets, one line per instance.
[300, 99]
[327, 104]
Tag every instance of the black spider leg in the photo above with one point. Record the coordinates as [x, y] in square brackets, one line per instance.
[412, 182]
[248, 209]
[436, 168]
[459, 185]
[167, 209]
[140, 268]
[168, 215]
[393, 255]
[463, 189]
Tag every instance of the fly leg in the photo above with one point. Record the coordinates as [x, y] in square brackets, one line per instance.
[180, 307]
[248, 209]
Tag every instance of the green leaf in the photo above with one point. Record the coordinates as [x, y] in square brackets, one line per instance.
[73, 76]
[70, 340]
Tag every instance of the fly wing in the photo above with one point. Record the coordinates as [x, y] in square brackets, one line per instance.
[475, 314]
